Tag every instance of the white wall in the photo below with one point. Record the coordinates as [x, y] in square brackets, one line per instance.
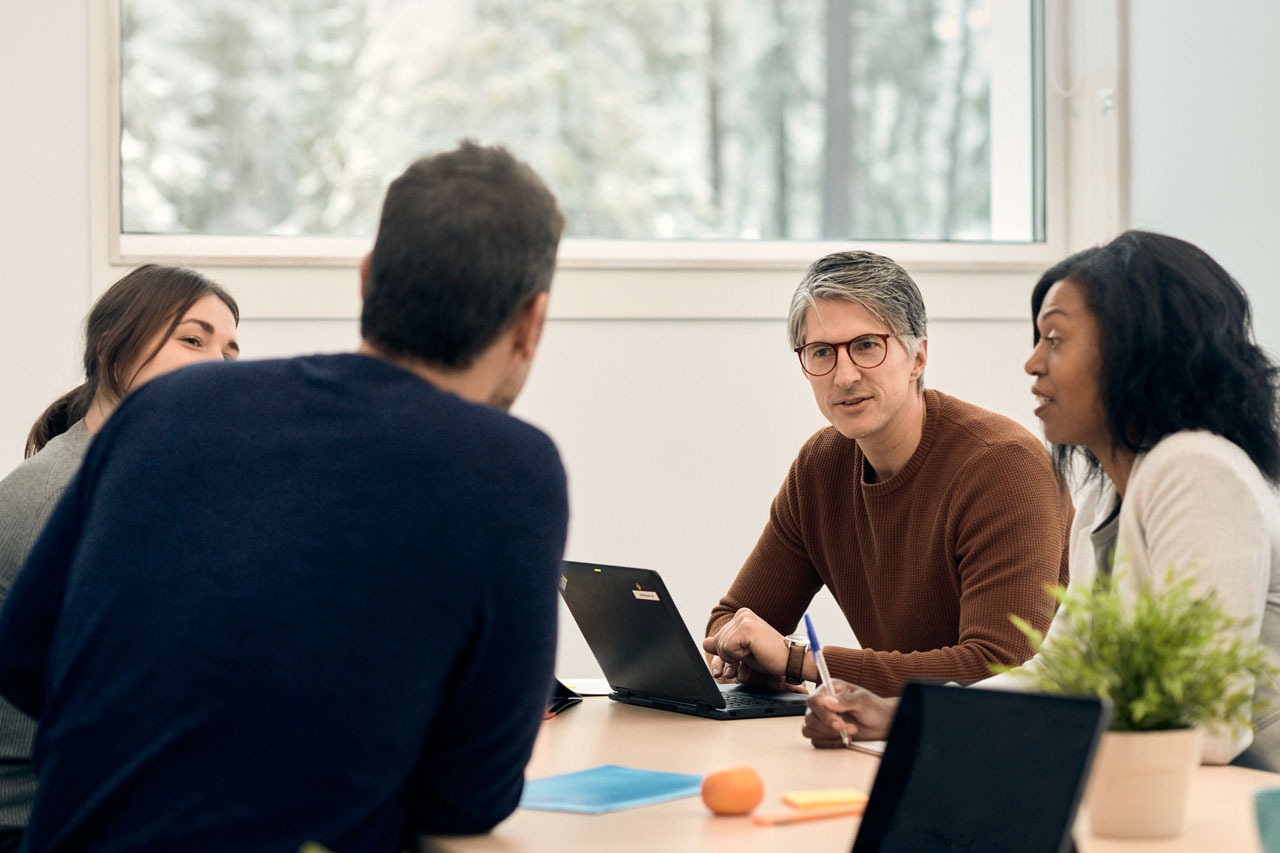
[1205, 123]
[676, 434]
[44, 215]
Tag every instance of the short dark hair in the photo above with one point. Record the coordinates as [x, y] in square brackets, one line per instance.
[146, 302]
[467, 238]
[1178, 351]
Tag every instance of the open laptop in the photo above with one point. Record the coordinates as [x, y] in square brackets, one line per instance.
[972, 769]
[637, 636]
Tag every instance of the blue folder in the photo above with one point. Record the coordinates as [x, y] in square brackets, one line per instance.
[607, 788]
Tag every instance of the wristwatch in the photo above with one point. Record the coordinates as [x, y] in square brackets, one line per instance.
[796, 650]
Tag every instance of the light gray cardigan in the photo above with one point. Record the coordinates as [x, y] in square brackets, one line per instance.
[1195, 504]
[27, 497]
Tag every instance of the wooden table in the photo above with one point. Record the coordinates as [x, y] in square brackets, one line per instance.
[600, 731]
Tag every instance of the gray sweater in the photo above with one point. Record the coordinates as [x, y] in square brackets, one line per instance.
[27, 497]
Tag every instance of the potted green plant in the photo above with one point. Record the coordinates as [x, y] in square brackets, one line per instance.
[1170, 662]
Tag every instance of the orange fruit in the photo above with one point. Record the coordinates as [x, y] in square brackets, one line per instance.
[733, 790]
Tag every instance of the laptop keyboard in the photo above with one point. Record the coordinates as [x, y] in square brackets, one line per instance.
[740, 699]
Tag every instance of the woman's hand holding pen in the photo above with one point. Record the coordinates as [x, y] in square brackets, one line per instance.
[860, 713]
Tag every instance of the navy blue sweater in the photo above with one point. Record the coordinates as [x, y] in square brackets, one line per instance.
[305, 599]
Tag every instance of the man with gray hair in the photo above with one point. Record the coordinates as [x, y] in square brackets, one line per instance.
[930, 519]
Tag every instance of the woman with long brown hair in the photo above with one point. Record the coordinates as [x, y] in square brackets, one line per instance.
[152, 321]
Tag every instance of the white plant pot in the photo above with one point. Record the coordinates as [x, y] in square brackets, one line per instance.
[1140, 783]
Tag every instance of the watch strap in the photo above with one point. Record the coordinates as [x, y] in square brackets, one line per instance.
[795, 661]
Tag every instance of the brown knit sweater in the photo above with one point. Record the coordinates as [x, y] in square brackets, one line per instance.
[928, 565]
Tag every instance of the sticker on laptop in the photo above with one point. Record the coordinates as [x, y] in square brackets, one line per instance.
[645, 594]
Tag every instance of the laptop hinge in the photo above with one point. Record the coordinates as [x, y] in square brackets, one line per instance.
[622, 694]
[673, 705]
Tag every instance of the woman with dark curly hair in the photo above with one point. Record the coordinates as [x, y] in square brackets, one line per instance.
[1148, 378]
[1171, 332]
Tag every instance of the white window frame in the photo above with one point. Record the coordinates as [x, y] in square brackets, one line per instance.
[312, 278]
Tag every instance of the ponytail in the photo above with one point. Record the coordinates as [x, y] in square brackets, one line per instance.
[58, 418]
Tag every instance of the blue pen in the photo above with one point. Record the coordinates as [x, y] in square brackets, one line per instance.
[820, 661]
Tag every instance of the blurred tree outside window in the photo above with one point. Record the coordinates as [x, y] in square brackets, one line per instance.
[657, 120]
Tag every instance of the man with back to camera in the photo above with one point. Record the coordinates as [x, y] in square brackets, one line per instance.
[930, 519]
[271, 607]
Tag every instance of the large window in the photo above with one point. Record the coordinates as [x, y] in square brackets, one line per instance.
[730, 123]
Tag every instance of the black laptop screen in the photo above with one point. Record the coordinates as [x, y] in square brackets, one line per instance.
[974, 769]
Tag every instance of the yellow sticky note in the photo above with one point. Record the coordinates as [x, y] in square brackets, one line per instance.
[821, 798]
